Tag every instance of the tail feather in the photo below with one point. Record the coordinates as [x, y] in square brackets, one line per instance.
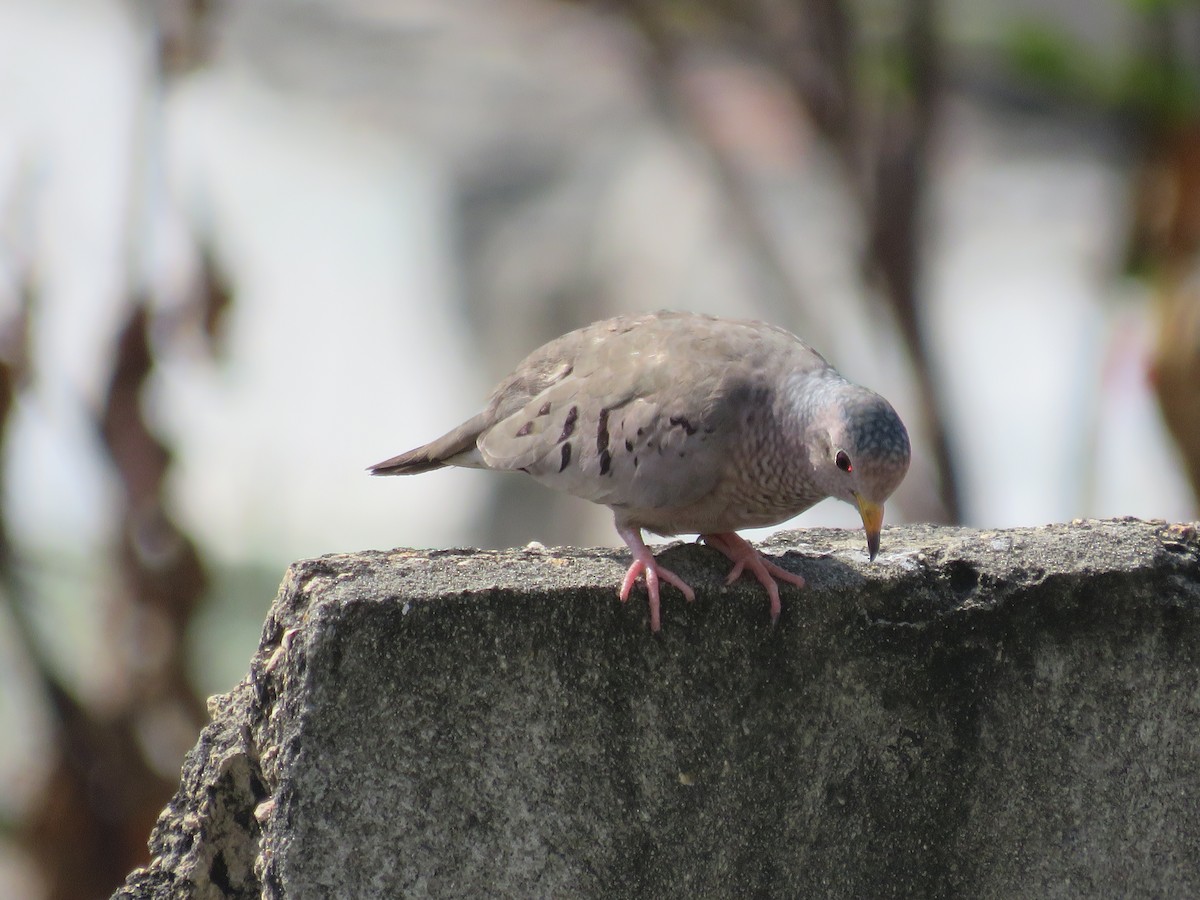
[456, 448]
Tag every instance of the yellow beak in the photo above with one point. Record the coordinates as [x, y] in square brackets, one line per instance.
[872, 516]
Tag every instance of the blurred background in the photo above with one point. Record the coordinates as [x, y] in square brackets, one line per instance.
[247, 249]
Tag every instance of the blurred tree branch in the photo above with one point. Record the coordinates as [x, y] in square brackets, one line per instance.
[816, 47]
[1155, 94]
[1166, 226]
[111, 770]
[1164, 234]
[100, 796]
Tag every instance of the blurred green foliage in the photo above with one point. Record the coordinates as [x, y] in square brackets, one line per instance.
[1151, 80]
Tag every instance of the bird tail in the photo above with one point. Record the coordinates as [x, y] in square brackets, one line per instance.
[456, 448]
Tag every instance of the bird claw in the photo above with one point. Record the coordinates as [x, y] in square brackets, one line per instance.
[654, 573]
[736, 572]
[732, 545]
[645, 564]
[745, 556]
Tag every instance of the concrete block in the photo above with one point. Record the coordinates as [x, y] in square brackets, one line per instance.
[976, 714]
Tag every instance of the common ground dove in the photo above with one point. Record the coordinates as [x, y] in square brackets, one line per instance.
[685, 423]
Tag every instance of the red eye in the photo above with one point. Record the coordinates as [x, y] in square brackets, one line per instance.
[843, 461]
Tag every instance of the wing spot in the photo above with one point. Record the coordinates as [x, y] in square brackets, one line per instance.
[569, 424]
[602, 432]
[681, 422]
[545, 410]
[605, 462]
[628, 446]
[525, 429]
[566, 457]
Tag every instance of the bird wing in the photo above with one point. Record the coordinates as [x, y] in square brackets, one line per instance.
[640, 412]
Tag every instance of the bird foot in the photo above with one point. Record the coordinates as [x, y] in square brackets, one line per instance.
[744, 556]
[644, 563]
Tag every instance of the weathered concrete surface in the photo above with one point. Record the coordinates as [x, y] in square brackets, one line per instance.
[977, 714]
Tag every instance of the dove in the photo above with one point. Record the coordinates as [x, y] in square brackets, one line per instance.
[683, 423]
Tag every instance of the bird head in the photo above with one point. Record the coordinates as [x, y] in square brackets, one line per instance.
[862, 454]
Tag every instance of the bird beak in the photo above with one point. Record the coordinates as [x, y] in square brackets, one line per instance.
[872, 516]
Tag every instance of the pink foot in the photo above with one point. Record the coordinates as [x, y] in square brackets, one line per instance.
[744, 557]
[644, 563]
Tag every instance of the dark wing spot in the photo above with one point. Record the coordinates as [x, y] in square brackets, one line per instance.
[525, 429]
[681, 422]
[569, 424]
[628, 446]
[602, 431]
[566, 456]
[545, 410]
[635, 462]
[605, 461]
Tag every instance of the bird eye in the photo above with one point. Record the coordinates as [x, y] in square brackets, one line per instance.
[843, 461]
